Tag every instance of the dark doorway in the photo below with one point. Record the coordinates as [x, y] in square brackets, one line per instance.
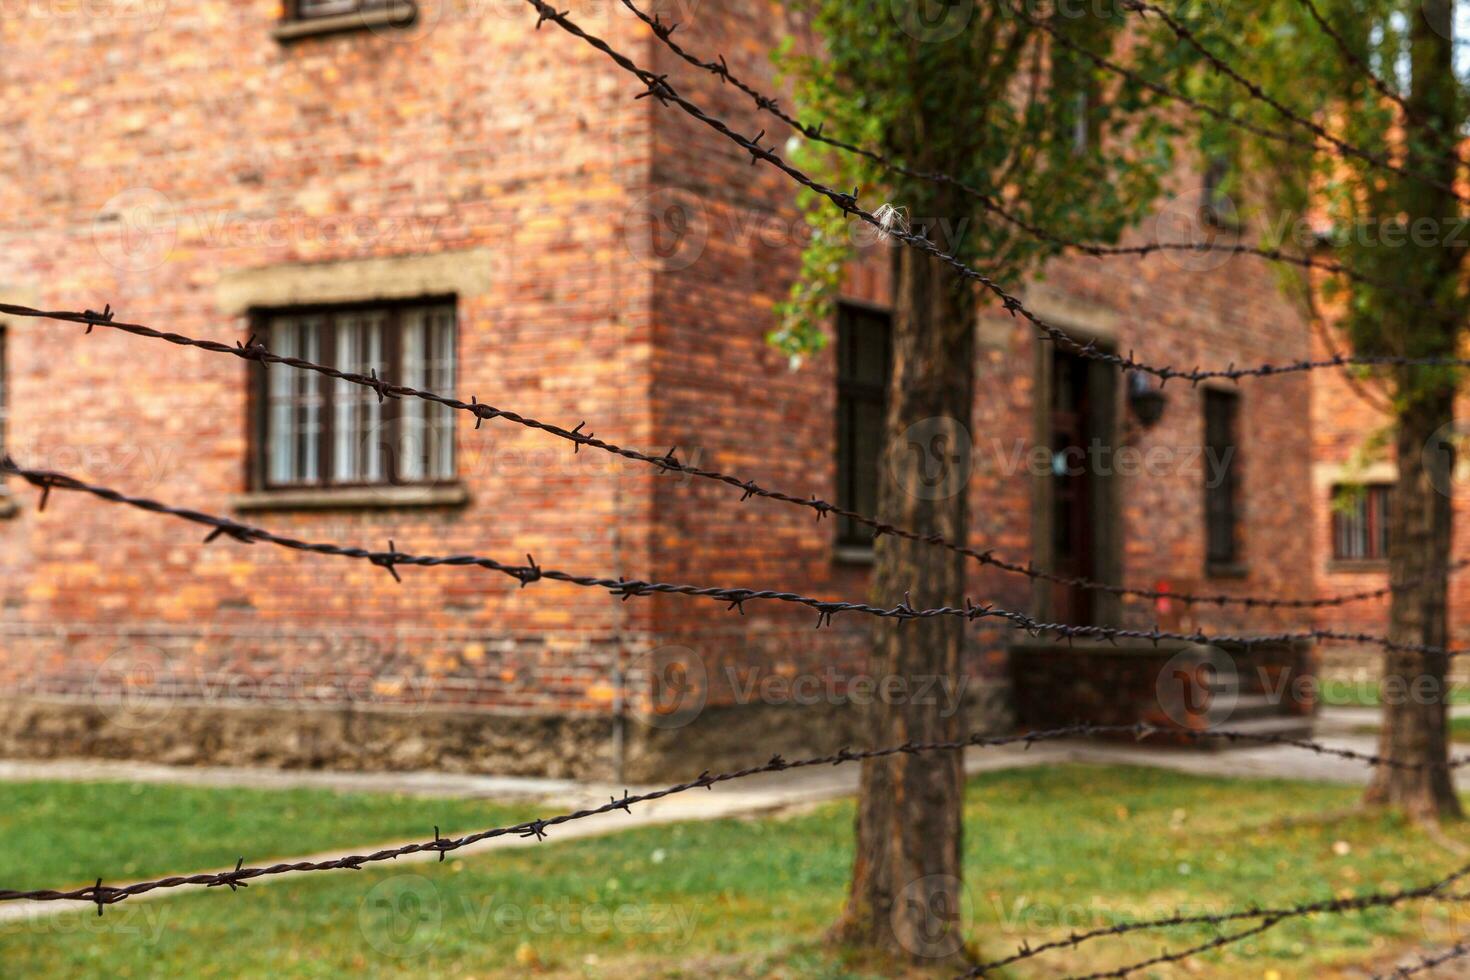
[1082, 435]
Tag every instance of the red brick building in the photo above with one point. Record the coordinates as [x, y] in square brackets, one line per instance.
[466, 204]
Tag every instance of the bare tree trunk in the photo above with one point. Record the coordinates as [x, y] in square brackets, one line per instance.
[906, 888]
[1414, 685]
[1421, 521]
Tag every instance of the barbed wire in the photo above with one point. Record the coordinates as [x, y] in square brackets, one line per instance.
[102, 895]
[1259, 94]
[736, 598]
[253, 350]
[1455, 952]
[1433, 890]
[1377, 81]
[765, 103]
[658, 87]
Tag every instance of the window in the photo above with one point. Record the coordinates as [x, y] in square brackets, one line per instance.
[863, 364]
[1216, 207]
[1222, 477]
[4, 394]
[313, 9]
[316, 431]
[1360, 522]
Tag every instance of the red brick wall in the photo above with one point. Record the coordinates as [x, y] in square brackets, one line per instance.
[476, 133]
[720, 388]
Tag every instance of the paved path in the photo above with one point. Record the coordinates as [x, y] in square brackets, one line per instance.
[755, 795]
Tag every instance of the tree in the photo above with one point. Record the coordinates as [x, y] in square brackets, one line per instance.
[1380, 76]
[978, 93]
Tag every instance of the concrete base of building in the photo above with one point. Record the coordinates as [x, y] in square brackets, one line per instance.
[603, 747]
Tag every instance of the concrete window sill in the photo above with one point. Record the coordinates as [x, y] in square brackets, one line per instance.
[352, 498]
[394, 15]
[1226, 570]
[1378, 566]
[847, 554]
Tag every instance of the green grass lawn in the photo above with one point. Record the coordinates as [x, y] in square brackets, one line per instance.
[1459, 729]
[1047, 851]
[69, 833]
[1342, 692]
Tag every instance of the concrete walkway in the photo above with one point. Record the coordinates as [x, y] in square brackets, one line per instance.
[754, 796]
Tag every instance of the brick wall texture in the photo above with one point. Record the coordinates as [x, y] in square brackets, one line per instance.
[631, 261]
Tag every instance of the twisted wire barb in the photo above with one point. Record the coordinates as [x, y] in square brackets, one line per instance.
[1455, 952]
[658, 87]
[735, 598]
[765, 103]
[669, 462]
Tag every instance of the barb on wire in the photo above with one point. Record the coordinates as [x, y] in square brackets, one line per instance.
[1144, 8]
[103, 895]
[1178, 956]
[817, 133]
[1376, 900]
[659, 87]
[1374, 79]
[1426, 963]
[735, 598]
[253, 350]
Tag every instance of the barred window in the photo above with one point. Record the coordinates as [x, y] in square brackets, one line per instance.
[1222, 477]
[312, 9]
[1360, 522]
[5, 394]
[319, 431]
[863, 366]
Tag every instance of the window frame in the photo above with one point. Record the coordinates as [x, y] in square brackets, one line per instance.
[849, 537]
[1375, 521]
[1223, 497]
[292, 12]
[258, 428]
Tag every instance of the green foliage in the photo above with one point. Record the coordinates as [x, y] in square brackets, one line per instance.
[1391, 228]
[989, 99]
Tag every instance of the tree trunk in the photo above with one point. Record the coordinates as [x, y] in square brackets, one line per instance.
[906, 894]
[1414, 684]
[1421, 521]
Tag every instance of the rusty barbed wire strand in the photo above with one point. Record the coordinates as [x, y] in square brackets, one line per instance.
[1178, 956]
[1455, 952]
[765, 103]
[1145, 7]
[658, 87]
[1374, 900]
[736, 598]
[252, 350]
[103, 895]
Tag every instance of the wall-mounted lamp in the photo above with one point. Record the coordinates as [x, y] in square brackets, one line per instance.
[1146, 400]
